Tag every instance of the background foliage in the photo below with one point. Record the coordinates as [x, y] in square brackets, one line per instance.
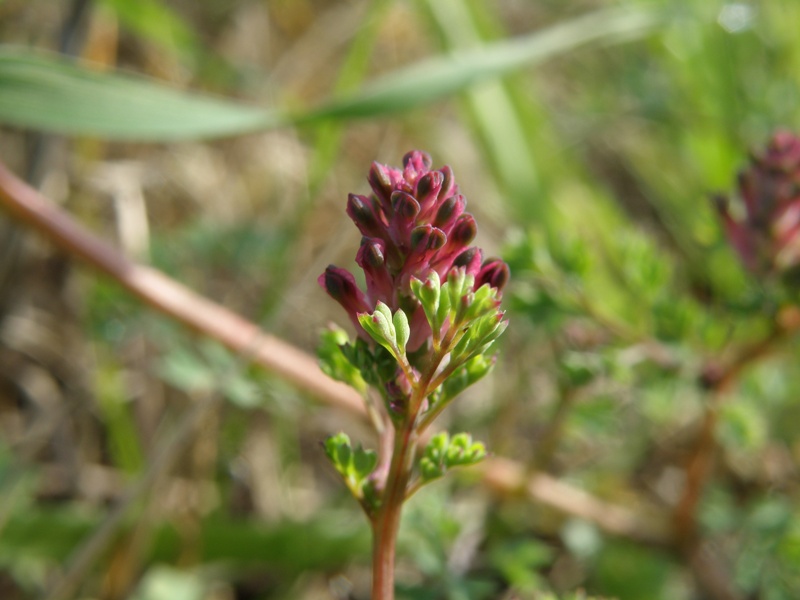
[218, 141]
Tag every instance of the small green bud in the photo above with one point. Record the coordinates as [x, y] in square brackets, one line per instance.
[443, 311]
[379, 325]
[402, 330]
[429, 295]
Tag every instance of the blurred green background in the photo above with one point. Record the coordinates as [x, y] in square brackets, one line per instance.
[217, 140]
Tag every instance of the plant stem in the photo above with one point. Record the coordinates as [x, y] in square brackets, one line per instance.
[386, 523]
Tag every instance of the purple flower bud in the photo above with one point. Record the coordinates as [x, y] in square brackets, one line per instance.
[404, 206]
[464, 231]
[341, 286]
[380, 181]
[427, 237]
[448, 183]
[449, 211]
[372, 259]
[427, 191]
[494, 272]
[470, 260]
[360, 209]
[415, 164]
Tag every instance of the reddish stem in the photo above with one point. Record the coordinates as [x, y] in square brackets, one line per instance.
[386, 524]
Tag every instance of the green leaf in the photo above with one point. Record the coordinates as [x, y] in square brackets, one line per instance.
[436, 78]
[428, 293]
[56, 94]
[342, 361]
[443, 453]
[354, 465]
[463, 377]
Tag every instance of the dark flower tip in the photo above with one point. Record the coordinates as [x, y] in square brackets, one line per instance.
[494, 272]
[339, 283]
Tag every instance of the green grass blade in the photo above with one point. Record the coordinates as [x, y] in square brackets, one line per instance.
[493, 115]
[436, 78]
[54, 94]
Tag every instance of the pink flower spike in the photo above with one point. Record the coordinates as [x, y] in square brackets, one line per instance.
[412, 223]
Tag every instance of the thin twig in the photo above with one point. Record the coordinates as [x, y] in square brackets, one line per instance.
[508, 477]
[173, 299]
[718, 380]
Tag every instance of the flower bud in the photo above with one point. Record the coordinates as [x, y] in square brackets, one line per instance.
[767, 238]
[341, 286]
[380, 181]
[427, 237]
[415, 163]
[448, 183]
[464, 230]
[449, 211]
[360, 209]
[470, 259]
[494, 272]
[427, 191]
[404, 206]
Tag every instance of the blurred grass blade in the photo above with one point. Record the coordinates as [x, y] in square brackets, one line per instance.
[54, 94]
[436, 78]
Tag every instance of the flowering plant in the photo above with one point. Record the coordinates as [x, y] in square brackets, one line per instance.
[425, 325]
[767, 236]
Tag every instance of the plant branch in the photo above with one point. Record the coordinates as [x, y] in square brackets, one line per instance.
[386, 523]
[718, 379]
[173, 299]
[507, 477]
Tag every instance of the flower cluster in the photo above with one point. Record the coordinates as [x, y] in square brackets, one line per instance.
[767, 237]
[413, 224]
